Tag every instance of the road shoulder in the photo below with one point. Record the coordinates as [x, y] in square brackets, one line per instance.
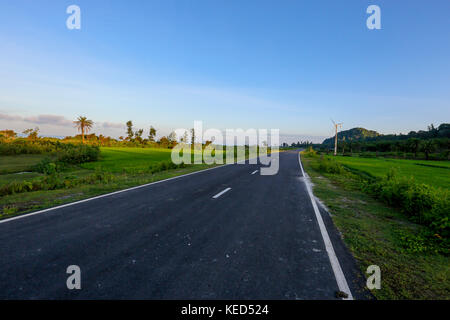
[373, 234]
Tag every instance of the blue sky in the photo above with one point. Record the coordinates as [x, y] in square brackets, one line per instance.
[291, 65]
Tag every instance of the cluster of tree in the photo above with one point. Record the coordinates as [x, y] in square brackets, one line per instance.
[298, 144]
[361, 134]
[8, 135]
[442, 131]
[433, 141]
[413, 146]
[133, 137]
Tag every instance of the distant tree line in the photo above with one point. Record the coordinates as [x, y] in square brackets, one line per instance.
[431, 144]
[132, 138]
[298, 144]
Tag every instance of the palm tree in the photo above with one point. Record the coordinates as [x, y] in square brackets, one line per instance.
[83, 125]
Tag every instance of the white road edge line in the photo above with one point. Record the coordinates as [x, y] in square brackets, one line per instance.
[254, 171]
[221, 193]
[113, 193]
[337, 270]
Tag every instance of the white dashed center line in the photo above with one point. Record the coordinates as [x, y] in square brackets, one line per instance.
[254, 172]
[221, 193]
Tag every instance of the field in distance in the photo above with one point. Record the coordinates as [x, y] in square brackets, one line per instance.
[128, 159]
[433, 173]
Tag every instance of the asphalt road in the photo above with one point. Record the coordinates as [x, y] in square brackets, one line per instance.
[174, 240]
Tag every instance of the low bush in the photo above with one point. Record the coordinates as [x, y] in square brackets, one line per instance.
[330, 166]
[77, 154]
[7, 210]
[23, 146]
[423, 242]
[422, 203]
[55, 181]
[47, 166]
[70, 154]
[64, 152]
[165, 165]
[310, 152]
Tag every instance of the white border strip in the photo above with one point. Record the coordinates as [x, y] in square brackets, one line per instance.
[112, 193]
[337, 270]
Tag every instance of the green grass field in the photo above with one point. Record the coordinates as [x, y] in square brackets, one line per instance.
[128, 166]
[434, 173]
[130, 160]
[19, 163]
[119, 160]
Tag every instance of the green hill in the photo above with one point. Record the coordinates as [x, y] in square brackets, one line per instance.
[353, 134]
[359, 134]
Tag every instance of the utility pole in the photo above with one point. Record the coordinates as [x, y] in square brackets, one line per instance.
[336, 125]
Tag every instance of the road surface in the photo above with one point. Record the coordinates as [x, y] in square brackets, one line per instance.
[225, 233]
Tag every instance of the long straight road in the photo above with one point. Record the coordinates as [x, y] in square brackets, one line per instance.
[225, 233]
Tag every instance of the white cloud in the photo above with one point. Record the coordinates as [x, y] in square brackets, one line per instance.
[111, 125]
[39, 120]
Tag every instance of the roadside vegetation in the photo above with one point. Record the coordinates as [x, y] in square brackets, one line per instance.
[49, 180]
[391, 213]
[38, 172]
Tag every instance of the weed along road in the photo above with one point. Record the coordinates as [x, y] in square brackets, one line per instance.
[223, 233]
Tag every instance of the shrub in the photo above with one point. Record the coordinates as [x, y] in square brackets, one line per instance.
[22, 146]
[76, 154]
[422, 203]
[64, 152]
[423, 241]
[7, 210]
[330, 166]
[172, 165]
[309, 153]
[165, 165]
[55, 181]
[46, 166]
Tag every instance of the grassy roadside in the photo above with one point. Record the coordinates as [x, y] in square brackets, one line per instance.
[379, 235]
[21, 203]
[116, 169]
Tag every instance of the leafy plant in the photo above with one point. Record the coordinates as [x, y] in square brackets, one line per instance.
[423, 242]
[420, 202]
[79, 154]
[7, 210]
[47, 166]
[330, 166]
